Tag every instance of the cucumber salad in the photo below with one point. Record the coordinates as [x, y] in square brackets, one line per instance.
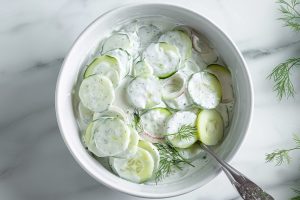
[149, 95]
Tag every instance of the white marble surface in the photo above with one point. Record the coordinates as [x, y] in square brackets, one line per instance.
[35, 36]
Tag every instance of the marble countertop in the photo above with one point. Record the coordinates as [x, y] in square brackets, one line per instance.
[36, 35]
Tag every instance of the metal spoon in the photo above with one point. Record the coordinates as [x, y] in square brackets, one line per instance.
[246, 188]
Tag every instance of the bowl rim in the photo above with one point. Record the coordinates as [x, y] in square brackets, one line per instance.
[140, 193]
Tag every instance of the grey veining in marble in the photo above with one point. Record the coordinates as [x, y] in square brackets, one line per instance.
[36, 35]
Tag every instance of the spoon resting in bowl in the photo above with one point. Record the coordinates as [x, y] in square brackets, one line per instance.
[246, 188]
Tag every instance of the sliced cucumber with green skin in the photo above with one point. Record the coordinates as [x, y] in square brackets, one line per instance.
[142, 68]
[173, 86]
[175, 123]
[88, 142]
[224, 76]
[181, 102]
[113, 111]
[116, 41]
[187, 30]
[124, 61]
[205, 90]
[210, 127]
[152, 150]
[137, 168]
[148, 34]
[104, 65]
[163, 58]
[144, 92]
[87, 134]
[96, 93]
[85, 116]
[110, 136]
[191, 152]
[132, 146]
[179, 39]
[154, 121]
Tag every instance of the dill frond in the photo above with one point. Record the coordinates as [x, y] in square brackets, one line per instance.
[290, 13]
[169, 159]
[282, 156]
[281, 77]
[185, 132]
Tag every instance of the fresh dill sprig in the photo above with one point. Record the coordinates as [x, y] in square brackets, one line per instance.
[281, 77]
[297, 191]
[282, 156]
[169, 159]
[281, 73]
[185, 132]
[137, 121]
[291, 16]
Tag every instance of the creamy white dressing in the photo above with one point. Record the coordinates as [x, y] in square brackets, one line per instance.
[144, 92]
[142, 32]
[163, 61]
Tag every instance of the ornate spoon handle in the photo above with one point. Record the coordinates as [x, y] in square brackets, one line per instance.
[246, 188]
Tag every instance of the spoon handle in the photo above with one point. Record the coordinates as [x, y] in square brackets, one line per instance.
[246, 188]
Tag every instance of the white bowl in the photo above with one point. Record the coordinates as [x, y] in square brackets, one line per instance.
[82, 49]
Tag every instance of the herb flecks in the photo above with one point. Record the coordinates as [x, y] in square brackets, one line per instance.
[282, 155]
[185, 132]
[169, 159]
[137, 121]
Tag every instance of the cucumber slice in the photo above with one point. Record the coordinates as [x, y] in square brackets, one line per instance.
[147, 34]
[113, 111]
[96, 93]
[88, 142]
[205, 90]
[187, 30]
[152, 150]
[163, 58]
[104, 65]
[210, 127]
[117, 41]
[224, 76]
[179, 39]
[173, 86]
[128, 41]
[176, 123]
[132, 146]
[144, 92]
[137, 168]
[154, 121]
[124, 61]
[142, 68]
[85, 116]
[87, 135]
[191, 152]
[110, 136]
[203, 47]
[181, 102]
